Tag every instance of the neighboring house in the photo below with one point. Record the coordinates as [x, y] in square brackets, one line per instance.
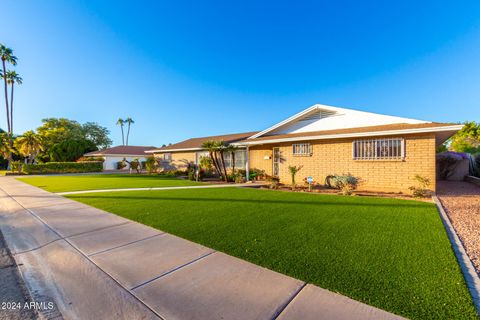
[115, 154]
[385, 152]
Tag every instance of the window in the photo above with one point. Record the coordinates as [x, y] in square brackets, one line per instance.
[166, 157]
[302, 149]
[240, 159]
[379, 149]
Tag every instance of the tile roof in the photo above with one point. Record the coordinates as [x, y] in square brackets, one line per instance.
[122, 150]
[195, 143]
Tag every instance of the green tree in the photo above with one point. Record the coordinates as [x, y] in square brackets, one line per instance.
[29, 145]
[467, 139]
[129, 121]
[97, 134]
[121, 122]
[57, 133]
[5, 148]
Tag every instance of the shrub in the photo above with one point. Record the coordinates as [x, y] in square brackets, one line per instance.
[293, 172]
[16, 166]
[206, 163]
[255, 174]
[420, 191]
[274, 182]
[150, 164]
[90, 159]
[135, 165]
[121, 164]
[447, 162]
[62, 167]
[345, 183]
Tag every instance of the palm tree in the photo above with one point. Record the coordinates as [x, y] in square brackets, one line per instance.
[29, 145]
[6, 55]
[129, 121]
[121, 122]
[231, 149]
[212, 148]
[12, 78]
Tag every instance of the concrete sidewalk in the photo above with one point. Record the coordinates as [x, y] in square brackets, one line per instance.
[96, 265]
[220, 185]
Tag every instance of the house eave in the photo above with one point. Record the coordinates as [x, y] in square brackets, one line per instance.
[353, 135]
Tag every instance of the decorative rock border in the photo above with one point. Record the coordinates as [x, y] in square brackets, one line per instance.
[469, 273]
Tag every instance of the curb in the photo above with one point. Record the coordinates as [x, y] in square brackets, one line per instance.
[469, 273]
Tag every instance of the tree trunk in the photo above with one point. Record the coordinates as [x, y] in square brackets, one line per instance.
[223, 165]
[11, 108]
[128, 133]
[6, 94]
[233, 161]
[123, 138]
[216, 163]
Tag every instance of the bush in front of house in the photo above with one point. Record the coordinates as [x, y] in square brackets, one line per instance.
[90, 159]
[62, 167]
[345, 183]
[447, 162]
[150, 164]
[420, 191]
[121, 164]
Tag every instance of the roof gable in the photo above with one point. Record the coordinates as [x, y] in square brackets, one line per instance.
[196, 143]
[322, 117]
[121, 150]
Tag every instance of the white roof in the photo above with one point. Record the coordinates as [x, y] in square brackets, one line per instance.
[321, 117]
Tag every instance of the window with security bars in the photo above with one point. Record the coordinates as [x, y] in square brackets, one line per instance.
[302, 149]
[379, 149]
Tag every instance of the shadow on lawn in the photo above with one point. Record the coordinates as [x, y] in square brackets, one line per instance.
[262, 201]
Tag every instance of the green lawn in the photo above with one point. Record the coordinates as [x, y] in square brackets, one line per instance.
[393, 254]
[104, 181]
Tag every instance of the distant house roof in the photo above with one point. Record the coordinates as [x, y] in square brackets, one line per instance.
[389, 129]
[196, 143]
[121, 150]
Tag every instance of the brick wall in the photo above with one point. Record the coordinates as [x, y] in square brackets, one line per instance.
[335, 157]
[179, 161]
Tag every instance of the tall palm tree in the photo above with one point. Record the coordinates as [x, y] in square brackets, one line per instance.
[129, 121]
[121, 122]
[29, 145]
[6, 55]
[12, 78]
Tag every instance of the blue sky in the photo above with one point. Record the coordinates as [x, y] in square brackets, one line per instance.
[185, 69]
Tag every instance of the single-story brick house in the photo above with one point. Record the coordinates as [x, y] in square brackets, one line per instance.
[385, 152]
[115, 154]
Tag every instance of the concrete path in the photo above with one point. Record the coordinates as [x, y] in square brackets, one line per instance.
[96, 265]
[220, 185]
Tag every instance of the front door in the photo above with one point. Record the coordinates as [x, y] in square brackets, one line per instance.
[276, 162]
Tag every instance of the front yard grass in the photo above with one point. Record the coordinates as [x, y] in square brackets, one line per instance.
[104, 181]
[389, 253]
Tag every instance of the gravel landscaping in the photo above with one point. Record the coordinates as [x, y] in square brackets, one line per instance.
[461, 201]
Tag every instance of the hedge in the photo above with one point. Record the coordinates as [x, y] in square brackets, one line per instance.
[62, 167]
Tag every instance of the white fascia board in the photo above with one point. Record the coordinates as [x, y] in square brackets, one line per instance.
[116, 155]
[354, 135]
[173, 150]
